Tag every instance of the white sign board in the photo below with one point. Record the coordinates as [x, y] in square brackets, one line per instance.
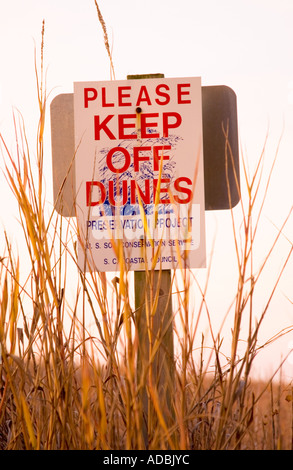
[139, 173]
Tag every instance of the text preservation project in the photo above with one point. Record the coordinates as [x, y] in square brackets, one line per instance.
[139, 173]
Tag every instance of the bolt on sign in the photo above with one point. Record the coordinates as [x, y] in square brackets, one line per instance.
[139, 173]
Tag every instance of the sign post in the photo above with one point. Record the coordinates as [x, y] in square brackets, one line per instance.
[162, 373]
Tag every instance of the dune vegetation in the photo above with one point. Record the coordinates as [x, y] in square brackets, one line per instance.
[75, 372]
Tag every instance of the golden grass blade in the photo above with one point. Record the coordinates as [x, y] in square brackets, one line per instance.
[27, 421]
[144, 219]
[106, 40]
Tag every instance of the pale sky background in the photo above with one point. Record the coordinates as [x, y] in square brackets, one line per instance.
[246, 45]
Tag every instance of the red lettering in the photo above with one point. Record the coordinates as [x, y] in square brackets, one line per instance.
[145, 197]
[122, 126]
[103, 126]
[111, 196]
[143, 96]
[169, 125]
[181, 92]
[162, 94]
[145, 125]
[104, 101]
[90, 94]
[137, 158]
[122, 95]
[159, 189]
[110, 162]
[182, 189]
[157, 157]
[117, 193]
[89, 191]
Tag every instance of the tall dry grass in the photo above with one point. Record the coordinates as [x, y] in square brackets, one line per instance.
[69, 340]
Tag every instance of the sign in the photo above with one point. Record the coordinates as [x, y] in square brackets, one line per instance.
[139, 173]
